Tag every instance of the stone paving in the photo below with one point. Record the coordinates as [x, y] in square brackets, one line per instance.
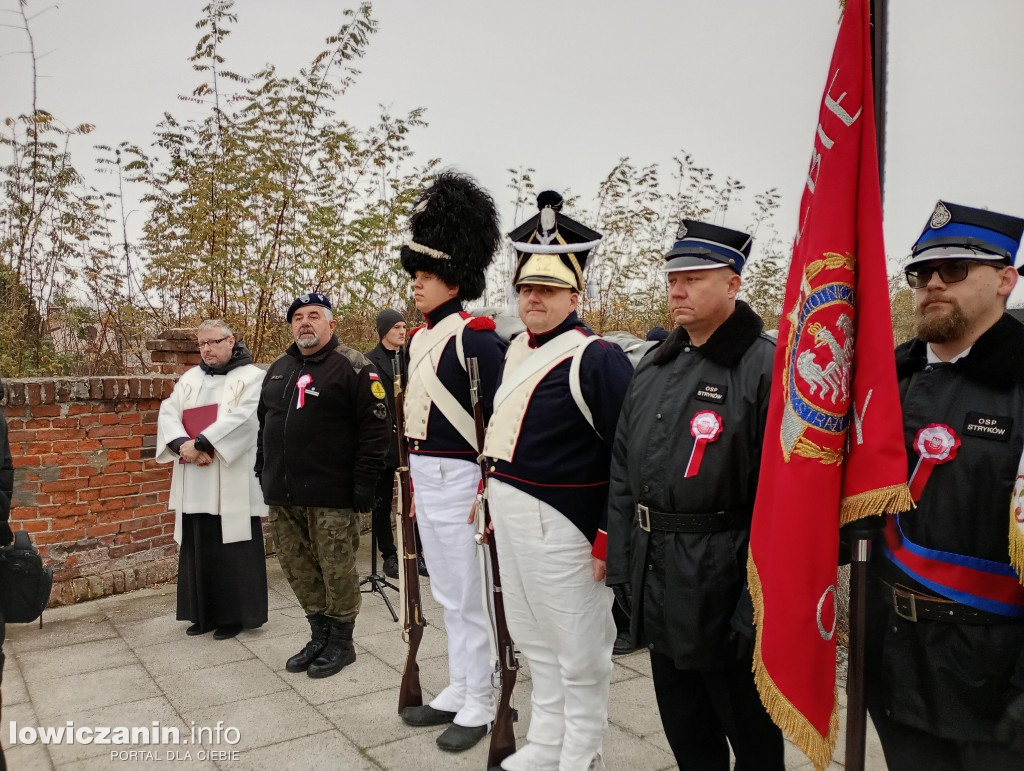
[125, 661]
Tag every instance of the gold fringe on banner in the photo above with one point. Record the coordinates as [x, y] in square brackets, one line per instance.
[1016, 542]
[782, 712]
[893, 499]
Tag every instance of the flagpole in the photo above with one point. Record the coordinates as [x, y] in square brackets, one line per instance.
[863, 530]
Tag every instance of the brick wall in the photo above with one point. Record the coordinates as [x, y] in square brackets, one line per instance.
[86, 485]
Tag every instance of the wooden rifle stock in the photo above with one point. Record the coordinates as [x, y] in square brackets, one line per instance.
[503, 739]
[410, 694]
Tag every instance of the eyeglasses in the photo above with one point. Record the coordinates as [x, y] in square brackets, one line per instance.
[211, 343]
[950, 272]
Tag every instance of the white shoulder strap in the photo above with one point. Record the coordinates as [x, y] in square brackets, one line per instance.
[574, 381]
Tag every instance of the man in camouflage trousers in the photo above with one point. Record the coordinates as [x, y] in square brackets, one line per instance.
[324, 433]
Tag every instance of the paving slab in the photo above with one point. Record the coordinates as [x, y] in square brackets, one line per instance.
[91, 656]
[220, 685]
[141, 713]
[59, 700]
[371, 720]
[329, 751]
[190, 654]
[293, 718]
[125, 661]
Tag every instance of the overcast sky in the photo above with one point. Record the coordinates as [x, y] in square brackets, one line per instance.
[569, 87]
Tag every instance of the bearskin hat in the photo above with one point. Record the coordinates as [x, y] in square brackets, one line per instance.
[454, 233]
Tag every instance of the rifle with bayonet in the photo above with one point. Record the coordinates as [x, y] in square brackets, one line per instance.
[410, 694]
[503, 739]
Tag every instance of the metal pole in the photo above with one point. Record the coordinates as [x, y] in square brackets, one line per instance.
[856, 709]
[879, 68]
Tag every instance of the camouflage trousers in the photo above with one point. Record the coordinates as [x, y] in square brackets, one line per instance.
[316, 547]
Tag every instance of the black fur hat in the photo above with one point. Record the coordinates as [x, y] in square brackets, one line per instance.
[454, 233]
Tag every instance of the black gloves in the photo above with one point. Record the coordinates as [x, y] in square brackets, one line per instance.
[363, 499]
[624, 598]
[6, 534]
[1010, 728]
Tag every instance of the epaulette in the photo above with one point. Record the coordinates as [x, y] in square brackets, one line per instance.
[482, 324]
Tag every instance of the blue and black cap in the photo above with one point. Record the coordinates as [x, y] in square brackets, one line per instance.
[959, 232]
[702, 246]
[312, 298]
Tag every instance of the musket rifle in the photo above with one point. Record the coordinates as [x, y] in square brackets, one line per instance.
[410, 694]
[503, 739]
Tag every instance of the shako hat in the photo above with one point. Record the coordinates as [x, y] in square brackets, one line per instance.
[552, 247]
[956, 232]
[702, 246]
[454, 233]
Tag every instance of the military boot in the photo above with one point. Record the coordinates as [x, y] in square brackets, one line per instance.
[339, 652]
[319, 624]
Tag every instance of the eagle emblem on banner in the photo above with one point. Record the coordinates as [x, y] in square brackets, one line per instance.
[819, 359]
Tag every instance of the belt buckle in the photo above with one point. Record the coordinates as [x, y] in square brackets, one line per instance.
[903, 598]
[643, 517]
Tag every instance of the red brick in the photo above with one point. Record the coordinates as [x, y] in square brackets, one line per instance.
[155, 487]
[144, 430]
[128, 441]
[104, 431]
[96, 531]
[46, 411]
[38, 448]
[83, 408]
[89, 494]
[31, 525]
[78, 445]
[120, 490]
[37, 423]
[63, 496]
[60, 485]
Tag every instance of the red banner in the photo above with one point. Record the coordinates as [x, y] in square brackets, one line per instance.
[833, 448]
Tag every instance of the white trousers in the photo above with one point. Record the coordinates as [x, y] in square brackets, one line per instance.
[445, 489]
[561, 621]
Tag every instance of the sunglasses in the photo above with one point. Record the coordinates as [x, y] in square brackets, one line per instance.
[950, 272]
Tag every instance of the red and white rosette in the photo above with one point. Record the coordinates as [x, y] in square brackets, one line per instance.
[935, 444]
[301, 385]
[705, 427]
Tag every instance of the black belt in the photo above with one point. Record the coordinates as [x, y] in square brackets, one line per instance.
[696, 522]
[912, 606]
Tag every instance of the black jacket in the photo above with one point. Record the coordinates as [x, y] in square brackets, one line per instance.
[480, 341]
[6, 467]
[690, 598]
[950, 679]
[318, 454]
[561, 458]
[383, 361]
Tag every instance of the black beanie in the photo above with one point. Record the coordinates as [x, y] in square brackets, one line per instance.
[386, 319]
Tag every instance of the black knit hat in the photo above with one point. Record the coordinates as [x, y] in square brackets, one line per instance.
[387, 319]
[453, 233]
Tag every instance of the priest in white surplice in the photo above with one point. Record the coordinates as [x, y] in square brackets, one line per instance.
[216, 497]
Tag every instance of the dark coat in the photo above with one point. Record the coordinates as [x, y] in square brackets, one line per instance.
[384, 362]
[317, 455]
[560, 457]
[690, 598]
[951, 679]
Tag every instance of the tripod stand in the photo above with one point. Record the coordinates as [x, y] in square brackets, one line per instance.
[376, 581]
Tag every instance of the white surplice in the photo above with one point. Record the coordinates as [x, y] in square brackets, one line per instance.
[227, 487]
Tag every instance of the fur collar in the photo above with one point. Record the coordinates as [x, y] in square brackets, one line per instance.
[726, 345]
[996, 360]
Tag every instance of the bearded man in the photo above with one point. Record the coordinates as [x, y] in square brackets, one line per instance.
[945, 683]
